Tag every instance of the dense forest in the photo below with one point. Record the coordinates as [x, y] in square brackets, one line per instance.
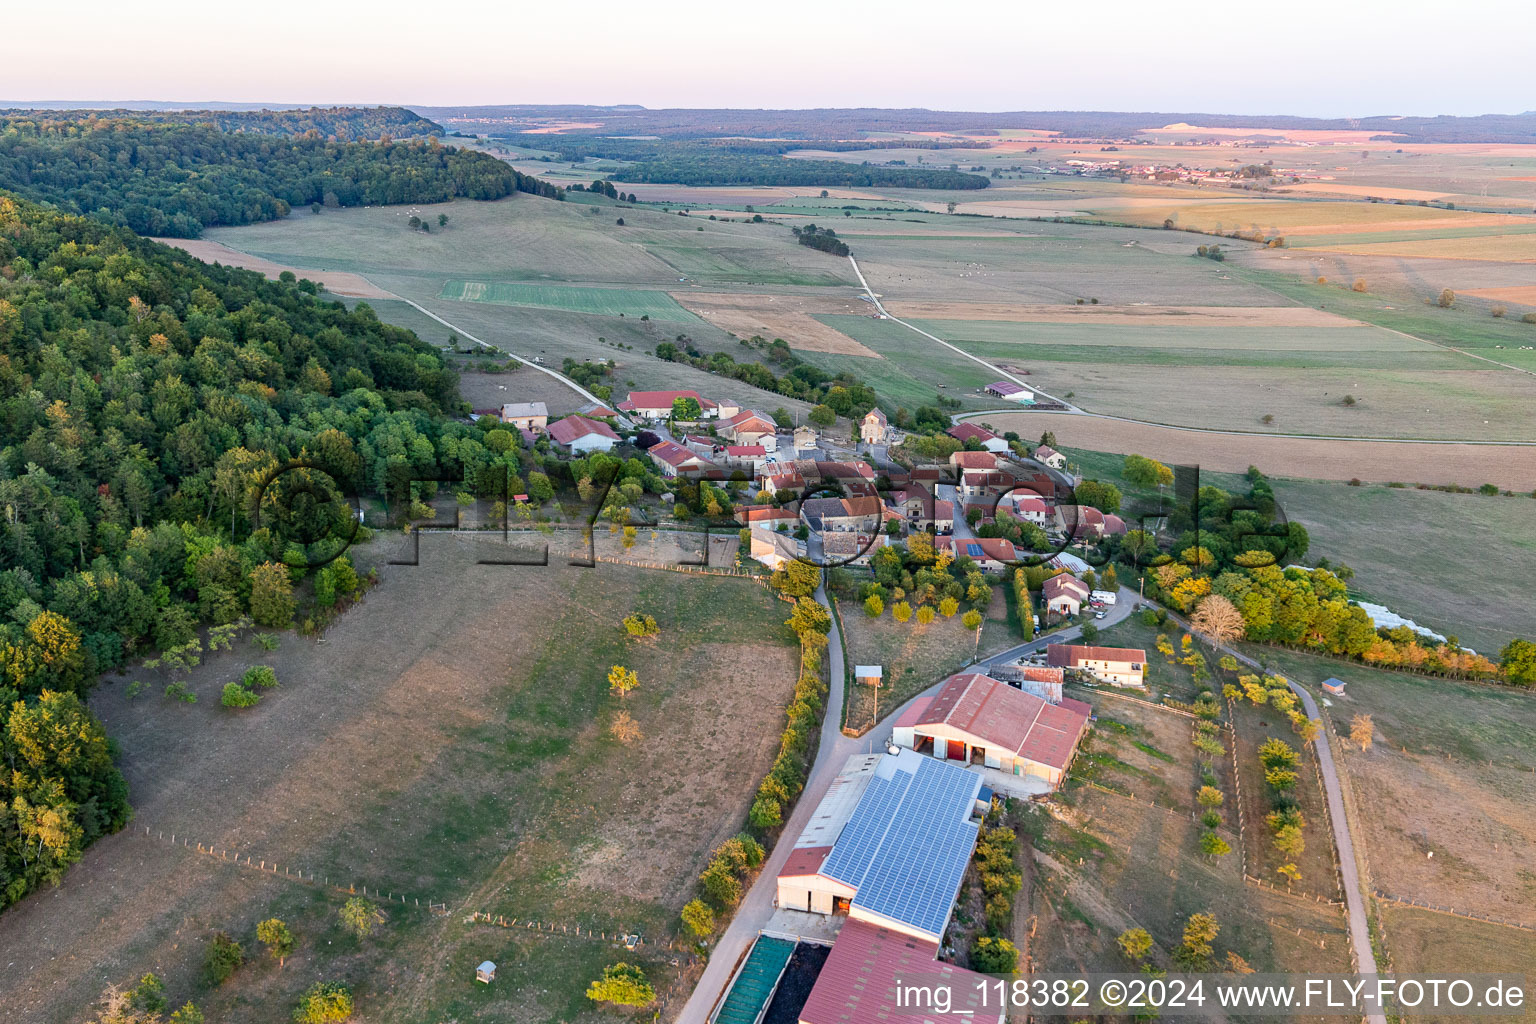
[339, 124]
[144, 396]
[713, 168]
[175, 180]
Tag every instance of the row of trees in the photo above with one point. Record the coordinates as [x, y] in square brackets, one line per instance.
[843, 393]
[176, 179]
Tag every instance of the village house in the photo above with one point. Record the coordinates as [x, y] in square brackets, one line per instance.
[748, 427]
[770, 516]
[978, 483]
[1033, 510]
[1064, 595]
[1091, 525]
[598, 411]
[975, 719]
[672, 460]
[578, 434]
[657, 405]
[852, 548]
[805, 440]
[750, 457]
[963, 460]
[774, 549]
[525, 415]
[1046, 455]
[843, 515]
[775, 479]
[1121, 666]
[874, 428]
[991, 554]
[989, 441]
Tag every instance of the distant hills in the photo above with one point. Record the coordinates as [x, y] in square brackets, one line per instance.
[843, 123]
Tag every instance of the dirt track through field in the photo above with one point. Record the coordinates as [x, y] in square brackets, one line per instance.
[1140, 316]
[1509, 466]
[339, 282]
[791, 317]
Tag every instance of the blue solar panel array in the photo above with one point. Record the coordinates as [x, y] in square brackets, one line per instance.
[907, 844]
[974, 550]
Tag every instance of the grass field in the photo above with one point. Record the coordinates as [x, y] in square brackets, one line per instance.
[912, 368]
[628, 302]
[446, 742]
[914, 658]
[1141, 866]
[1425, 943]
[1451, 772]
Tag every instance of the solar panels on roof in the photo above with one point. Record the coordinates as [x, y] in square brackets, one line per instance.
[906, 847]
[973, 549]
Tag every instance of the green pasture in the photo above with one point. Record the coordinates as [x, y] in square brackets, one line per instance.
[635, 302]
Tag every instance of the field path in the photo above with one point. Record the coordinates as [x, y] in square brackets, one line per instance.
[1359, 927]
[562, 378]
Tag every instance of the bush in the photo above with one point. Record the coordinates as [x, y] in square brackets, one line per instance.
[223, 957]
[994, 956]
[873, 606]
[237, 696]
[622, 984]
[971, 619]
[323, 1002]
[698, 917]
[259, 677]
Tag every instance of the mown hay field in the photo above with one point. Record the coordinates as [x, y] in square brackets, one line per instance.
[629, 302]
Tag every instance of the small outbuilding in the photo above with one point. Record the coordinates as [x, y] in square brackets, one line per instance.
[1334, 686]
[486, 972]
[868, 675]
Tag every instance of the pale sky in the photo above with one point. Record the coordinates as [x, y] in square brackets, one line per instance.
[1326, 58]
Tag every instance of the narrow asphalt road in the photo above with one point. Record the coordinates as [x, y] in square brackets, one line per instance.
[832, 753]
[1354, 901]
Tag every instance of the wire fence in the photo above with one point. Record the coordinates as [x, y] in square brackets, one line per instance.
[288, 871]
[1453, 912]
[630, 939]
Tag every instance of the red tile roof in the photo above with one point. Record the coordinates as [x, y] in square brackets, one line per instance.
[673, 454]
[857, 984]
[914, 712]
[804, 860]
[1072, 655]
[1001, 716]
[745, 451]
[574, 427]
[962, 431]
[1063, 585]
[973, 460]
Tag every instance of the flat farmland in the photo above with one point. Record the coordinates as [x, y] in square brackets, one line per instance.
[1306, 217]
[520, 238]
[1053, 264]
[1340, 344]
[913, 370]
[1451, 772]
[337, 282]
[1500, 248]
[1508, 466]
[790, 317]
[1491, 404]
[1119, 316]
[613, 302]
[439, 742]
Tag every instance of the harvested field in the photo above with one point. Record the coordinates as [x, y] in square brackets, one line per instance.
[1365, 191]
[1305, 217]
[339, 281]
[524, 384]
[1137, 315]
[1429, 944]
[1520, 296]
[453, 749]
[1509, 466]
[1513, 248]
[791, 317]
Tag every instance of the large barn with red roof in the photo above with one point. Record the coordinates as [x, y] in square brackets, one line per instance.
[975, 719]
